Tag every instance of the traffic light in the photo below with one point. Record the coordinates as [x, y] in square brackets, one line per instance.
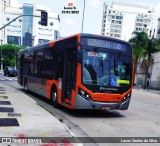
[44, 18]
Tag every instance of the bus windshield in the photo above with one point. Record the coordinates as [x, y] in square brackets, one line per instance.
[104, 68]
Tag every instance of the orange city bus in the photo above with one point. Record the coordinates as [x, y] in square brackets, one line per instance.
[82, 71]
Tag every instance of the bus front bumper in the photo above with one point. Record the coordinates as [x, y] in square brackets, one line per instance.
[81, 103]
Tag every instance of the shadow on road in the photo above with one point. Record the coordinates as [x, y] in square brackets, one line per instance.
[93, 113]
[82, 113]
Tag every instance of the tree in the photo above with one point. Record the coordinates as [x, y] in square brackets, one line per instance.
[153, 46]
[143, 46]
[9, 52]
[138, 42]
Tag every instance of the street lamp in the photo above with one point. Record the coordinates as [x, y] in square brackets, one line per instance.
[1, 56]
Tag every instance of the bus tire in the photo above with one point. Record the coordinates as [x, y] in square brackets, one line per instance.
[54, 96]
[25, 85]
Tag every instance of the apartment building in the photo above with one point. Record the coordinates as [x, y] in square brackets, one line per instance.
[27, 30]
[120, 20]
[3, 5]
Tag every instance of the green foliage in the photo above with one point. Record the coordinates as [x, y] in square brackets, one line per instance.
[144, 47]
[10, 53]
[138, 42]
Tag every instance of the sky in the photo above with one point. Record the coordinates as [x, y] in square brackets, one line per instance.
[72, 23]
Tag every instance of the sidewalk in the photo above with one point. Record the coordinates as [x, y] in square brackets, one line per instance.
[22, 117]
[149, 90]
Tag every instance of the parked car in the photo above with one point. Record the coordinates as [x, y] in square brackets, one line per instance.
[10, 71]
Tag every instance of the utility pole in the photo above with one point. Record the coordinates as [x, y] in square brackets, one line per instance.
[1, 56]
[83, 16]
[15, 55]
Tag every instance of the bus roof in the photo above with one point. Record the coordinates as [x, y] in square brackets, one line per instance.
[52, 42]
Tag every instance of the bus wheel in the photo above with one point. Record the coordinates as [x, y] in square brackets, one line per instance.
[54, 99]
[26, 86]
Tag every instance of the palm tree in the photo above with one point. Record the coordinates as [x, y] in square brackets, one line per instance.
[138, 42]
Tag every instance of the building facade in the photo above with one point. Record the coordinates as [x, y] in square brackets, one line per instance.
[3, 5]
[120, 20]
[158, 29]
[155, 73]
[27, 30]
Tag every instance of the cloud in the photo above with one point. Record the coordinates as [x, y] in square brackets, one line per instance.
[70, 21]
[95, 3]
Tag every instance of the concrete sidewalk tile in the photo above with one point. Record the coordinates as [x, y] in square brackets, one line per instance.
[34, 121]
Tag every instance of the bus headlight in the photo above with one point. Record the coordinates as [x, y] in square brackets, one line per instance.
[84, 94]
[127, 97]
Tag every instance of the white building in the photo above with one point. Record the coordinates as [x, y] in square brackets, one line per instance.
[27, 30]
[155, 74]
[120, 20]
[3, 5]
[158, 29]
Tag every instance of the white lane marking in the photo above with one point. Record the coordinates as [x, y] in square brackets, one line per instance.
[14, 78]
[8, 78]
[2, 79]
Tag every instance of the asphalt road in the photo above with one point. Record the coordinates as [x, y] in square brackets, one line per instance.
[142, 119]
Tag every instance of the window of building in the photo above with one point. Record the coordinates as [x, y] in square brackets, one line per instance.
[14, 40]
[56, 34]
[51, 23]
[7, 19]
[113, 17]
[41, 41]
[120, 22]
[117, 17]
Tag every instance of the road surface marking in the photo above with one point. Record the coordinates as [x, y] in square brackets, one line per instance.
[2, 79]
[143, 103]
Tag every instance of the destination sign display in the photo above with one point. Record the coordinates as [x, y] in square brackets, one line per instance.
[106, 44]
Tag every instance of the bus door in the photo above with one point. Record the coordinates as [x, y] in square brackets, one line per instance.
[69, 75]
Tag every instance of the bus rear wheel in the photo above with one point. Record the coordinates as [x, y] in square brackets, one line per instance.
[54, 97]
